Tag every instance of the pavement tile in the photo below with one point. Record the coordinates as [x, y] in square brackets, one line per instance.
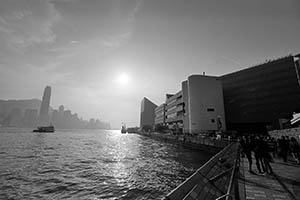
[283, 185]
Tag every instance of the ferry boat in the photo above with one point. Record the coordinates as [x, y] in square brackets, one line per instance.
[46, 129]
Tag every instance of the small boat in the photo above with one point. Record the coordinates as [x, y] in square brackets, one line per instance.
[45, 129]
[132, 130]
[124, 129]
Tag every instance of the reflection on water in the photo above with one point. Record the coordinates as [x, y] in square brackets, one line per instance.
[90, 164]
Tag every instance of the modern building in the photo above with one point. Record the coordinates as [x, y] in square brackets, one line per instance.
[197, 108]
[250, 100]
[147, 114]
[174, 111]
[203, 104]
[262, 96]
[43, 116]
[160, 117]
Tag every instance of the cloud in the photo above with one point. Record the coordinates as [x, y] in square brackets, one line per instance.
[231, 60]
[27, 23]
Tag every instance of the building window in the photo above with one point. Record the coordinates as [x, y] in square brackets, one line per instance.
[210, 110]
[212, 120]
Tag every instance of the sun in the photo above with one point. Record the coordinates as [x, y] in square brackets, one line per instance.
[123, 79]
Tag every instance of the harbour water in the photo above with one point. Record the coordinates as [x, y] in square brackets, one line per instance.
[91, 164]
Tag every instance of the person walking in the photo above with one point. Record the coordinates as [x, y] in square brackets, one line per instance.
[258, 148]
[247, 148]
[284, 146]
[294, 149]
[266, 156]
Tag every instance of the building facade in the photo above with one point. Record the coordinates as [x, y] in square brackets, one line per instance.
[160, 117]
[175, 111]
[197, 108]
[261, 96]
[250, 100]
[203, 104]
[147, 119]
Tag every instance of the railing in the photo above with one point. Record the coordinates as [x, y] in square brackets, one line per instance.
[216, 179]
[233, 183]
[192, 140]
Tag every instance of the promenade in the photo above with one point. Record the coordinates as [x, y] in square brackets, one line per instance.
[284, 184]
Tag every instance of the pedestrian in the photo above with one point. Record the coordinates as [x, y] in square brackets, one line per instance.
[284, 145]
[247, 148]
[242, 143]
[258, 148]
[294, 149]
[266, 156]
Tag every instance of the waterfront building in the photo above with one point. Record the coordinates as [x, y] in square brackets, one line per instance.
[175, 111]
[251, 100]
[203, 104]
[197, 108]
[147, 114]
[160, 117]
[262, 96]
[43, 116]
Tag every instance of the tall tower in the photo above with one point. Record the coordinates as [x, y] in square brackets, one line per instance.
[43, 117]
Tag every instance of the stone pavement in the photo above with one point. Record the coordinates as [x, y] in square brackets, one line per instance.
[284, 184]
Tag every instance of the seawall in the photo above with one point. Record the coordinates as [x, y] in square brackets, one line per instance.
[194, 142]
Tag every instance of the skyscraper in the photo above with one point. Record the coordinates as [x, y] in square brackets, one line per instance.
[43, 117]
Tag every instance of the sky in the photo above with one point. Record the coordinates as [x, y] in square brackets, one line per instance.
[101, 57]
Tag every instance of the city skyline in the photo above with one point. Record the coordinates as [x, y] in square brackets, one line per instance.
[24, 113]
[102, 57]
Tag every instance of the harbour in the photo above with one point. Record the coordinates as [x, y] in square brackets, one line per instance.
[91, 164]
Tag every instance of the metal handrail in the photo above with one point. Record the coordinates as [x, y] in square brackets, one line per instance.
[233, 179]
[187, 185]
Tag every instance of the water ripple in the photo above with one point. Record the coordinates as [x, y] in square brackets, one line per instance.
[91, 165]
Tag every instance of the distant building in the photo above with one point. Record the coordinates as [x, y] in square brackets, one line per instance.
[44, 117]
[15, 118]
[61, 123]
[67, 117]
[147, 113]
[55, 118]
[30, 118]
[262, 96]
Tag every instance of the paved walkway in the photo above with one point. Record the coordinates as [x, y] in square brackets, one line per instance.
[284, 184]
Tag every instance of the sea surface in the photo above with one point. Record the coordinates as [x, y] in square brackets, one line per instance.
[91, 164]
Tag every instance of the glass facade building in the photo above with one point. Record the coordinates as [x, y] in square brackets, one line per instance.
[258, 97]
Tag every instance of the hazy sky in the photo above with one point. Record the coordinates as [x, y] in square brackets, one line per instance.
[81, 47]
